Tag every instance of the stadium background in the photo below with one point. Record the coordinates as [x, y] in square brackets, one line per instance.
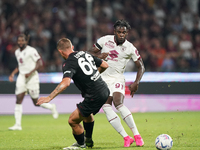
[166, 33]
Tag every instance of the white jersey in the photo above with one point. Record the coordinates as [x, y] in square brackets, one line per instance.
[26, 59]
[118, 56]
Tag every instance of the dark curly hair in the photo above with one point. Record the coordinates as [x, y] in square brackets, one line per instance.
[122, 23]
[25, 35]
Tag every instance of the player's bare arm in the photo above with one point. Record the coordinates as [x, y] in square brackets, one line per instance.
[11, 77]
[97, 52]
[134, 86]
[61, 87]
[103, 66]
[38, 65]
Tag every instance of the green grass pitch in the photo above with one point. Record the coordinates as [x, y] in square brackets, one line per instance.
[42, 132]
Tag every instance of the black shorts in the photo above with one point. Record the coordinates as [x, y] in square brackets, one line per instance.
[93, 105]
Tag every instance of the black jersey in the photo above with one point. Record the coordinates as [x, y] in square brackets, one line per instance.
[82, 68]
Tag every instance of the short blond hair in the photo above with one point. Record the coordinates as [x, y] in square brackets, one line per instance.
[64, 44]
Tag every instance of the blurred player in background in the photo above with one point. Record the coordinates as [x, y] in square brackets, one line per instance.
[28, 79]
[120, 52]
[82, 68]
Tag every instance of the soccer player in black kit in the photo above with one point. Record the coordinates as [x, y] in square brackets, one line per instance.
[85, 71]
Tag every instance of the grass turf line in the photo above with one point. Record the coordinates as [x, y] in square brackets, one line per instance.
[42, 132]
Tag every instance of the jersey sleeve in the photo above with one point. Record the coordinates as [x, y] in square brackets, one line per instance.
[68, 68]
[34, 54]
[100, 42]
[135, 54]
[98, 61]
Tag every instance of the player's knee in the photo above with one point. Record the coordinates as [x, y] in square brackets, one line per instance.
[118, 99]
[109, 100]
[117, 103]
[71, 122]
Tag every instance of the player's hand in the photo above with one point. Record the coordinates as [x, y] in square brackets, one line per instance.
[103, 55]
[28, 74]
[42, 100]
[133, 88]
[11, 78]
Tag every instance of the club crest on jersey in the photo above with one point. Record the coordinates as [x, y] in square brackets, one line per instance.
[123, 49]
[110, 44]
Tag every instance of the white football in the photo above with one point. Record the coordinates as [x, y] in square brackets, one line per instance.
[164, 142]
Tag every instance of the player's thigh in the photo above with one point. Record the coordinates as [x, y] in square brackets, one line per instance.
[117, 86]
[33, 87]
[20, 84]
[118, 90]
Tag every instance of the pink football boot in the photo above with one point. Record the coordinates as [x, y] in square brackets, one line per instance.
[139, 141]
[128, 141]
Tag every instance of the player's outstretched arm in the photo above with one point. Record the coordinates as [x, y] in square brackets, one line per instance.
[11, 77]
[103, 66]
[134, 86]
[97, 53]
[61, 87]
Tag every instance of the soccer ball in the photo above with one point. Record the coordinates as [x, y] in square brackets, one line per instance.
[164, 142]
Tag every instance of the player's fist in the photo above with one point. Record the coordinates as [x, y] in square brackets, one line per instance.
[11, 78]
[28, 74]
[103, 56]
[133, 88]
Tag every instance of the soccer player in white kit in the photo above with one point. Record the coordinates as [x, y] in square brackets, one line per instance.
[118, 51]
[28, 79]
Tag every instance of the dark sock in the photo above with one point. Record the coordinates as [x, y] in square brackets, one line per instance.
[88, 126]
[79, 138]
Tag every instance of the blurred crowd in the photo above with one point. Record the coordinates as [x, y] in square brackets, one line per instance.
[166, 32]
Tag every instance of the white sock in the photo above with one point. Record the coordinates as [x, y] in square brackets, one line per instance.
[128, 118]
[18, 114]
[114, 120]
[46, 105]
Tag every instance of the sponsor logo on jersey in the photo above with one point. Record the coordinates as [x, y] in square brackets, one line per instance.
[110, 44]
[95, 76]
[113, 55]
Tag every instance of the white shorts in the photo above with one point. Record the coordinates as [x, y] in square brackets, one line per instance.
[116, 84]
[30, 85]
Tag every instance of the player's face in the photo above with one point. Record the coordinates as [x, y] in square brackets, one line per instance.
[120, 34]
[21, 42]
